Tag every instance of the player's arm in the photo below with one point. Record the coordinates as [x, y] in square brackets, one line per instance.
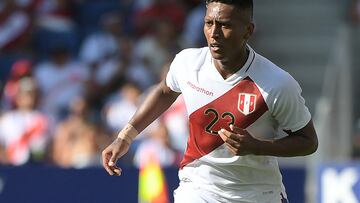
[299, 143]
[156, 102]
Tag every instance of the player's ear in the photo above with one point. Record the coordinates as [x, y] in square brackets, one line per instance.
[249, 30]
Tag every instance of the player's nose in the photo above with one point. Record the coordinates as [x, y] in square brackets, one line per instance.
[215, 31]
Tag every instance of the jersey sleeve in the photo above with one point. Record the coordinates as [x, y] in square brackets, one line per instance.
[172, 77]
[289, 106]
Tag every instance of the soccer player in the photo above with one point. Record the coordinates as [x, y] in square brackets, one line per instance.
[238, 104]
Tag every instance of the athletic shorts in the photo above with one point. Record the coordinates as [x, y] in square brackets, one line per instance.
[188, 192]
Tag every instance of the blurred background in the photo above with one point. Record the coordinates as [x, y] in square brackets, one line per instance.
[72, 73]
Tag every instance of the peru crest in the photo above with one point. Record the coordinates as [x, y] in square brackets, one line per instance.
[246, 103]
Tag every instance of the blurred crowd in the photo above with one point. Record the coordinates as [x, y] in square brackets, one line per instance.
[72, 73]
[354, 11]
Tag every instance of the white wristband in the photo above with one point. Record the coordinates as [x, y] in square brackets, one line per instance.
[128, 133]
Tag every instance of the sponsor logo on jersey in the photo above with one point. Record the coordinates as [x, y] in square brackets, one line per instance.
[200, 89]
[246, 103]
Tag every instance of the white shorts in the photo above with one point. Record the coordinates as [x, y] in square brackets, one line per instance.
[187, 192]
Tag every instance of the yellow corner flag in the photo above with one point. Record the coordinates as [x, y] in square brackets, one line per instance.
[152, 183]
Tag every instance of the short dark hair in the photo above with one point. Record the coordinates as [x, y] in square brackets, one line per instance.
[242, 4]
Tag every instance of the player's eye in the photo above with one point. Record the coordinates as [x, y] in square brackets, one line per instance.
[225, 25]
[208, 23]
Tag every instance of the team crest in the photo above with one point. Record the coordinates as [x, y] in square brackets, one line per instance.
[246, 103]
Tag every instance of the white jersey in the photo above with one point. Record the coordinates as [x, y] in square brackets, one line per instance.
[260, 97]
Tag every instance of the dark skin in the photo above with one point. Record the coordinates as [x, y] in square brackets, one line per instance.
[227, 30]
[156, 102]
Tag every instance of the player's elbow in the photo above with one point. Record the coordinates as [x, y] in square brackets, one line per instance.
[312, 145]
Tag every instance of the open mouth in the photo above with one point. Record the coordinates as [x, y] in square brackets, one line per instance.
[215, 46]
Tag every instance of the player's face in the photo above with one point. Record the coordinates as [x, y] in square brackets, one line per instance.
[227, 29]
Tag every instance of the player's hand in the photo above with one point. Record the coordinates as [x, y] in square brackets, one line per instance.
[112, 153]
[239, 141]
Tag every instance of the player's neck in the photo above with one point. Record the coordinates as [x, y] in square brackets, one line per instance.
[228, 68]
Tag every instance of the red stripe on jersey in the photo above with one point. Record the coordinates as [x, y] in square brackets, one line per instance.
[242, 101]
[252, 104]
[220, 113]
